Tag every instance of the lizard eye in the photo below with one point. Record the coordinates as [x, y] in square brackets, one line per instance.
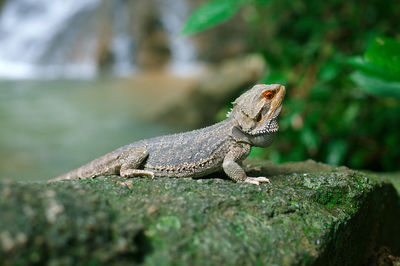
[268, 94]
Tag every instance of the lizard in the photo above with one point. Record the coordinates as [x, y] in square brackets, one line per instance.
[252, 121]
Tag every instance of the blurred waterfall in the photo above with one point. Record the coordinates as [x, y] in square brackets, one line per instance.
[173, 17]
[122, 46]
[69, 38]
[30, 29]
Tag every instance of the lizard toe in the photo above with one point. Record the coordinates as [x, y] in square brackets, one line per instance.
[251, 180]
[256, 180]
[262, 179]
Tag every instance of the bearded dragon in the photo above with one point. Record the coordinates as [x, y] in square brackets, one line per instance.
[253, 121]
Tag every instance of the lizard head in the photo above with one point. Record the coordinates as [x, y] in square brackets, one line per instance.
[256, 112]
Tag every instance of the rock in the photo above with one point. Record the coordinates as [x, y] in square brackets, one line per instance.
[393, 178]
[153, 48]
[310, 214]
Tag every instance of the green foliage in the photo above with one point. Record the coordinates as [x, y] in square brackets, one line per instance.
[327, 115]
[211, 14]
[385, 53]
[379, 70]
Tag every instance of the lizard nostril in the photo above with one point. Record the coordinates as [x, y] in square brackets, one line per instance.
[259, 118]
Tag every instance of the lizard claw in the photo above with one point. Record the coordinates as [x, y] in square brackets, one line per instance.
[256, 180]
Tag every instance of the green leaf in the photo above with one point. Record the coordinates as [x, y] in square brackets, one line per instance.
[336, 152]
[329, 71]
[376, 85]
[275, 77]
[257, 152]
[385, 53]
[261, 2]
[211, 14]
[350, 114]
[362, 64]
[309, 138]
[379, 70]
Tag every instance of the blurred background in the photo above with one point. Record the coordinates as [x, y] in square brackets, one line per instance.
[79, 78]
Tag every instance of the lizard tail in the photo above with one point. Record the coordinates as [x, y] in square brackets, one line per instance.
[105, 165]
[71, 175]
[83, 172]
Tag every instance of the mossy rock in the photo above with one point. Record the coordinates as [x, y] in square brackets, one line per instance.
[310, 214]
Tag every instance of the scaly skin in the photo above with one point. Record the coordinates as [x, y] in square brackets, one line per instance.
[252, 122]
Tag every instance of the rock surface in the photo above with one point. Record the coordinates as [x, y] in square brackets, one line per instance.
[310, 214]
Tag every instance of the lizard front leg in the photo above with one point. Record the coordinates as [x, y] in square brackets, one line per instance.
[130, 164]
[235, 171]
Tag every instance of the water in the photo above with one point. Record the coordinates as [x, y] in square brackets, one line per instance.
[50, 127]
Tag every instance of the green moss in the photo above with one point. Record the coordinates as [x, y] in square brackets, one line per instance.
[331, 198]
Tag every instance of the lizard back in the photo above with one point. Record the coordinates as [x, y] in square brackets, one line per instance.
[188, 154]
